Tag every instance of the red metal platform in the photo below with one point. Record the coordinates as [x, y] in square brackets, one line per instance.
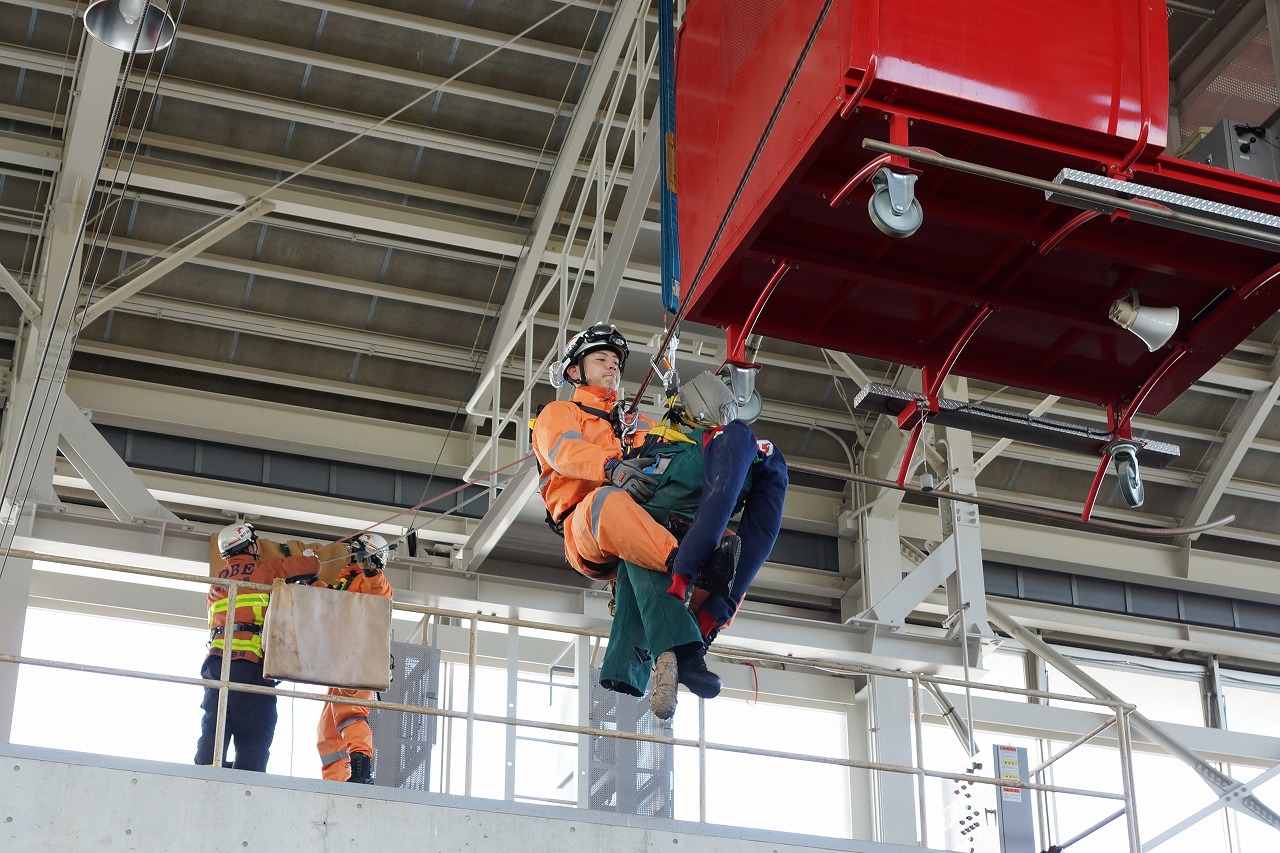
[774, 101]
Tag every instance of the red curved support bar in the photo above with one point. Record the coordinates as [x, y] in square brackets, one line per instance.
[736, 336]
[1144, 58]
[910, 452]
[1061, 234]
[858, 177]
[1087, 509]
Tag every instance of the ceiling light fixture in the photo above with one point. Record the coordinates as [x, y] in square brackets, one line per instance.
[116, 23]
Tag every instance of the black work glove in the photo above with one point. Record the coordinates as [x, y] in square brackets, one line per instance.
[629, 475]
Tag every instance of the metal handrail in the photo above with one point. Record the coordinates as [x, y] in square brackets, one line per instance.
[1120, 710]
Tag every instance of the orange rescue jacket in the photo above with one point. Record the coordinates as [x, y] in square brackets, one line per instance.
[572, 446]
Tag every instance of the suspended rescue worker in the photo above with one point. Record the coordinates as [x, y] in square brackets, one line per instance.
[343, 734]
[709, 466]
[251, 717]
[593, 495]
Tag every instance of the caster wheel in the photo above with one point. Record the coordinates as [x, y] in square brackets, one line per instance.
[1130, 481]
[890, 221]
[750, 410]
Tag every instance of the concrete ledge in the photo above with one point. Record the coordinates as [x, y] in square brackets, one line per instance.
[58, 800]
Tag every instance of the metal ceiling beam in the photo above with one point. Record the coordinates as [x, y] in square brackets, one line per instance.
[286, 110]
[97, 462]
[10, 284]
[1234, 447]
[416, 23]
[409, 189]
[303, 332]
[202, 241]
[324, 207]
[268, 376]
[322, 281]
[1003, 444]
[43, 351]
[20, 149]
[207, 416]
[367, 71]
[448, 29]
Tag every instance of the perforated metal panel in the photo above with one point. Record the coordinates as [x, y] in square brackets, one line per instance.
[627, 776]
[402, 741]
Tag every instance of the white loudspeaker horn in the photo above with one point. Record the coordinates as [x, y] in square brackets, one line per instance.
[1153, 326]
[115, 23]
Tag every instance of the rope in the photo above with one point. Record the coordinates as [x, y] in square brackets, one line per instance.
[432, 500]
[670, 233]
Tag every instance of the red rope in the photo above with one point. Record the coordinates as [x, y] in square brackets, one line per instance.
[430, 501]
[755, 676]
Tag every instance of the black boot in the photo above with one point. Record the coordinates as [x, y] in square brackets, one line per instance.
[361, 769]
[717, 575]
[692, 664]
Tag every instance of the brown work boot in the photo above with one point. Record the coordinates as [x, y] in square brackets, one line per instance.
[662, 687]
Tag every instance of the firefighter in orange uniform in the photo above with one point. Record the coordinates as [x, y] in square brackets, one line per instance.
[343, 735]
[593, 495]
[251, 717]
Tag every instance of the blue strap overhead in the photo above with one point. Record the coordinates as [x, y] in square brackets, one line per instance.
[667, 124]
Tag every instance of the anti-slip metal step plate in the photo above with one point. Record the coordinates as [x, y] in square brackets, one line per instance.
[1267, 225]
[1002, 423]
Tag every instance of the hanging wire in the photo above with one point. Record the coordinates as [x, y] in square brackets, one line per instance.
[113, 199]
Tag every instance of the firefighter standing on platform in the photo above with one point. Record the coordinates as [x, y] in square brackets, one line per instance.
[343, 735]
[251, 717]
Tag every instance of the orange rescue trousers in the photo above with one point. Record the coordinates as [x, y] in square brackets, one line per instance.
[342, 730]
[607, 525]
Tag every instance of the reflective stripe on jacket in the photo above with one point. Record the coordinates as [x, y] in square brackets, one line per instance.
[251, 604]
[572, 447]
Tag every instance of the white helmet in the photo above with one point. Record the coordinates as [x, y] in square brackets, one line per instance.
[235, 538]
[371, 547]
[707, 401]
[597, 337]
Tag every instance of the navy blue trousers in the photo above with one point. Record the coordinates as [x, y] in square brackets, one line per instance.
[251, 717]
[727, 459]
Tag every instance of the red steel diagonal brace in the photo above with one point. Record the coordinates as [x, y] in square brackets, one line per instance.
[736, 335]
[913, 417]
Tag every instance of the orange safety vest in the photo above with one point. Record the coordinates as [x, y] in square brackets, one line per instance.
[251, 604]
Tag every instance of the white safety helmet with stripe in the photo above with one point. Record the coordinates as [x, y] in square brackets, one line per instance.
[597, 337]
[371, 547]
[235, 538]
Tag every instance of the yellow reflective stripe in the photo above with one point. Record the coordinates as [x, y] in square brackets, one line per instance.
[672, 435]
[256, 600]
[253, 644]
